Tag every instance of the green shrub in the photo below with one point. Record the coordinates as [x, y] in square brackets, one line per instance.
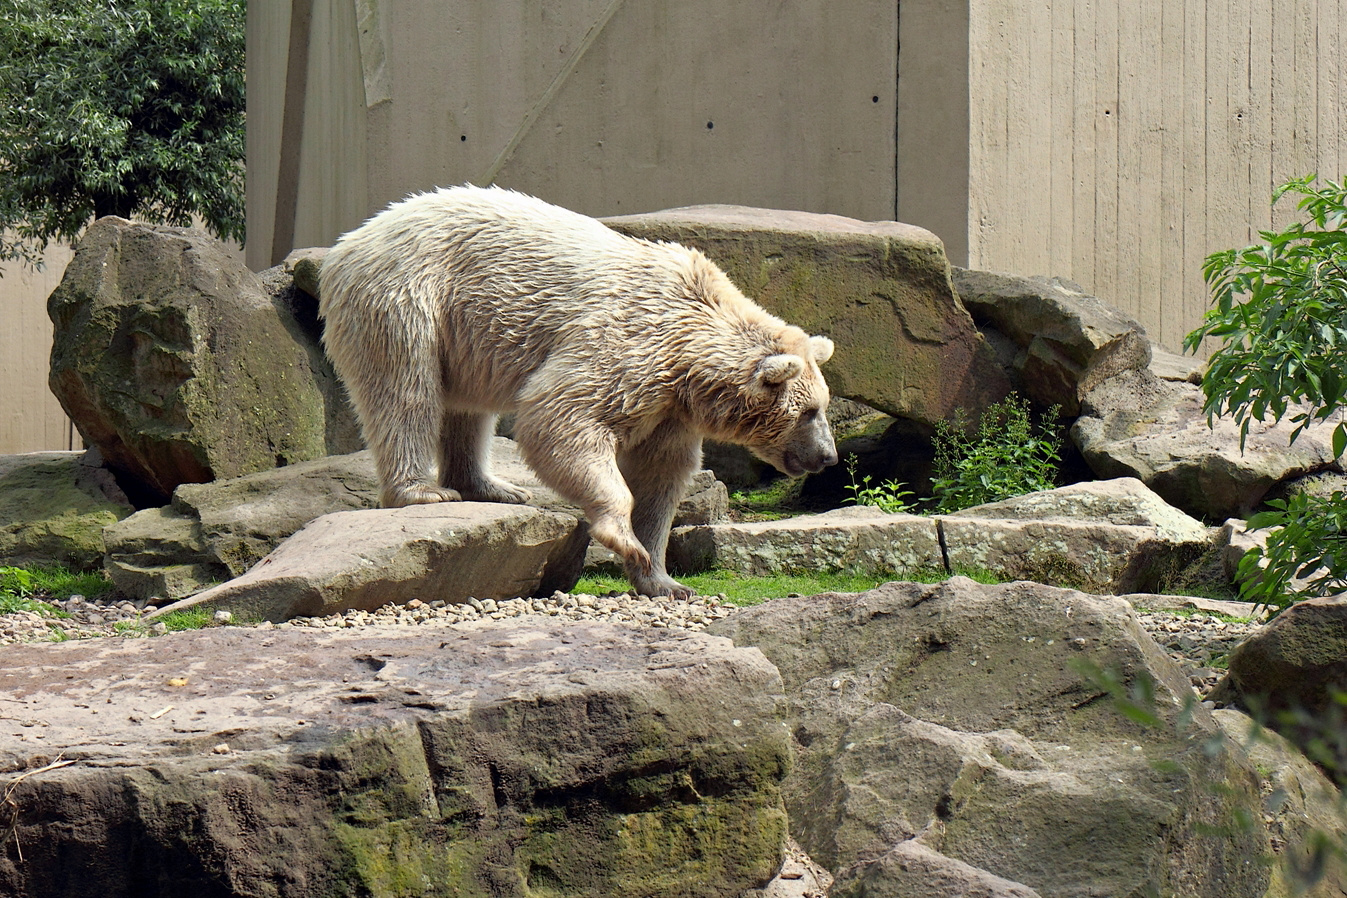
[1280, 314]
[1009, 455]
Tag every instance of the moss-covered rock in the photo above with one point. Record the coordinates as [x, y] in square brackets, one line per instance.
[881, 290]
[53, 509]
[177, 363]
[518, 760]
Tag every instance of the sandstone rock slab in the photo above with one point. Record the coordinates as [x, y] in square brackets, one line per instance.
[881, 290]
[862, 538]
[54, 507]
[1110, 536]
[1106, 536]
[509, 760]
[212, 532]
[912, 870]
[175, 361]
[362, 560]
[1137, 425]
[962, 714]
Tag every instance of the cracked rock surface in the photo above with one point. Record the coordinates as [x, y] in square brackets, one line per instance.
[497, 758]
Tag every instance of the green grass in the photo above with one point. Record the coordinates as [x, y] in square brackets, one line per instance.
[11, 603]
[25, 589]
[1193, 612]
[740, 589]
[187, 619]
[778, 499]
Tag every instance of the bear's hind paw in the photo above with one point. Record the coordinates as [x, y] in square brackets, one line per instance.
[661, 586]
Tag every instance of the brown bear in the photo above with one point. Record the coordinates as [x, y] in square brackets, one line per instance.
[617, 356]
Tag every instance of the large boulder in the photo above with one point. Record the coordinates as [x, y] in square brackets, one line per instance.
[1292, 675]
[1064, 337]
[576, 760]
[1135, 424]
[362, 560]
[961, 716]
[1302, 808]
[179, 365]
[881, 290]
[212, 532]
[54, 507]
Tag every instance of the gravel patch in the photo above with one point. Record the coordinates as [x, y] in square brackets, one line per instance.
[1199, 642]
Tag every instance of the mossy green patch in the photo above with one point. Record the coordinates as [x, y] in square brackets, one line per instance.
[49, 518]
[424, 858]
[744, 589]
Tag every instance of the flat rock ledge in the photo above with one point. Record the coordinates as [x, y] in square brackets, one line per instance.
[502, 758]
[1111, 537]
[367, 558]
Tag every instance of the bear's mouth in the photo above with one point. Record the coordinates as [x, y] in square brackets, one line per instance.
[793, 466]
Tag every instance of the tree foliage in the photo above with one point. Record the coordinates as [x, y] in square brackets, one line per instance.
[1281, 316]
[1280, 312]
[128, 107]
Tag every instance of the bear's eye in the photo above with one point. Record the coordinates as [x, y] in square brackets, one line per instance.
[809, 414]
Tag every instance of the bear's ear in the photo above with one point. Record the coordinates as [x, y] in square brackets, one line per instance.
[821, 348]
[775, 370]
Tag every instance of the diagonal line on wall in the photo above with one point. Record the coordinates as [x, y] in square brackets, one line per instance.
[292, 130]
[530, 117]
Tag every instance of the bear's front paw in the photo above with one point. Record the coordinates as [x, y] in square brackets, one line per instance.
[661, 585]
[497, 491]
[418, 494]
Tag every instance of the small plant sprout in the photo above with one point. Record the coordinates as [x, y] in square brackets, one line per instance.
[889, 496]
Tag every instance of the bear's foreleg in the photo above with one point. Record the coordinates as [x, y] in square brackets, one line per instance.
[657, 472]
[580, 463]
[465, 459]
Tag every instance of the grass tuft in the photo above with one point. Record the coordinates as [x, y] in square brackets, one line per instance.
[745, 590]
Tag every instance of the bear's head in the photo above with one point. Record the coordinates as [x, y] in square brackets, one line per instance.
[786, 421]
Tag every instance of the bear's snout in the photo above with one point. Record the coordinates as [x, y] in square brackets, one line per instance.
[808, 461]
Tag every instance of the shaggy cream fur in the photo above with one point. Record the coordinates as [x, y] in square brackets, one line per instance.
[617, 355]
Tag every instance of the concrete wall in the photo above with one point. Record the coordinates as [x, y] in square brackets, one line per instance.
[31, 420]
[1114, 143]
[604, 106]
[1118, 143]
[933, 122]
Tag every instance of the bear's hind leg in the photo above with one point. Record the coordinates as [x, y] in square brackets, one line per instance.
[465, 459]
[657, 472]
